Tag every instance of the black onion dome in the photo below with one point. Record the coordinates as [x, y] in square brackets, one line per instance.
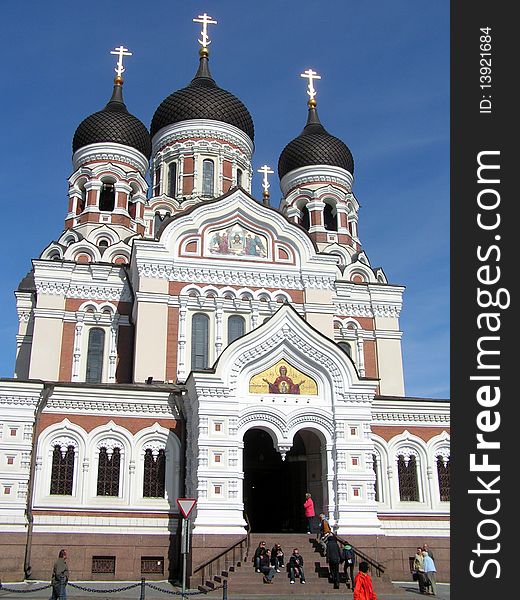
[203, 99]
[113, 124]
[314, 146]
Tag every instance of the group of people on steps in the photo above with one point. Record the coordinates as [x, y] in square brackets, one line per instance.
[269, 562]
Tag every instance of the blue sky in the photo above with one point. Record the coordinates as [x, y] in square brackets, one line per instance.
[384, 91]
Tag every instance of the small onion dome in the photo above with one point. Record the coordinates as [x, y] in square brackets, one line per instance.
[27, 284]
[113, 124]
[314, 146]
[203, 99]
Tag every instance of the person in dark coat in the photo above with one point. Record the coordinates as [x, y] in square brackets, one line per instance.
[259, 552]
[349, 558]
[333, 558]
[296, 566]
[277, 557]
[266, 568]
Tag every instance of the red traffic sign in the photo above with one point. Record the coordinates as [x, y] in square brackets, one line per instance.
[186, 505]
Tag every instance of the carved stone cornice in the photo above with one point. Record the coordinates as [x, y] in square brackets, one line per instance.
[397, 418]
[109, 406]
[84, 290]
[241, 278]
[18, 400]
[365, 310]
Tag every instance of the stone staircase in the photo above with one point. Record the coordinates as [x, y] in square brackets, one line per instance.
[243, 580]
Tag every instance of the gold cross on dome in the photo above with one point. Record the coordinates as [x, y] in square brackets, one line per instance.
[265, 183]
[121, 51]
[205, 20]
[310, 75]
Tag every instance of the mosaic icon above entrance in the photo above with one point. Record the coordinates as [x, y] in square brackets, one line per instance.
[237, 241]
[282, 378]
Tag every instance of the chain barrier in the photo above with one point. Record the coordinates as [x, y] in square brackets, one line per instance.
[6, 589]
[186, 593]
[115, 590]
[105, 591]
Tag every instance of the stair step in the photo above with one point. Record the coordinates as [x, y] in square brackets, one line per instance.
[242, 578]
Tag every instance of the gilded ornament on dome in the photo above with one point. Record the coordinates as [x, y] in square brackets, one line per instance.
[283, 378]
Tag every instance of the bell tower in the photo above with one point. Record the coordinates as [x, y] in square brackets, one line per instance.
[316, 175]
[111, 149]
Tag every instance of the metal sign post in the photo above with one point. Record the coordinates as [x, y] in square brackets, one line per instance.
[186, 505]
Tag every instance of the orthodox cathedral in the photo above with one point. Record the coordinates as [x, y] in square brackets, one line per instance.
[183, 339]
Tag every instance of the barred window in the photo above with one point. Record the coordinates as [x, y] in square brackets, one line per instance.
[199, 341]
[152, 565]
[62, 472]
[103, 564]
[108, 472]
[443, 475]
[154, 474]
[236, 328]
[407, 473]
[376, 466]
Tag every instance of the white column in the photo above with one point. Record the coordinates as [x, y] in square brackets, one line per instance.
[76, 356]
[220, 179]
[181, 348]
[361, 355]
[112, 351]
[180, 176]
[218, 327]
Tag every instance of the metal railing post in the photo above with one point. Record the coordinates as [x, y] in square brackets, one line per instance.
[143, 585]
[224, 590]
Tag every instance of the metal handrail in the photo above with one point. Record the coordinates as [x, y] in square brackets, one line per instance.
[377, 566]
[225, 559]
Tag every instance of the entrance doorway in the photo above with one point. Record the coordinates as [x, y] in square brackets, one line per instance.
[274, 490]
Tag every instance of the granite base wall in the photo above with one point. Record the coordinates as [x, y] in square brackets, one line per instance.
[127, 550]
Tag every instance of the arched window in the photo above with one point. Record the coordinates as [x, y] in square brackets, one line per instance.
[346, 347]
[239, 177]
[83, 201]
[376, 465]
[172, 180]
[62, 471]
[329, 219]
[108, 472]
[443, 475]
[236, 328]
[407, 474]
[305, 219]
[96, 347]
[158, 221]
[208, 171]
[107, 197]
[199, 341]
[154, 474]
[157, 181]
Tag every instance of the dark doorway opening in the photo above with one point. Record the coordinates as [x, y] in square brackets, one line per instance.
[274, 490]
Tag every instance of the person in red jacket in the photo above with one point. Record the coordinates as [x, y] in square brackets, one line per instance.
[308, 507]
[363, 589]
